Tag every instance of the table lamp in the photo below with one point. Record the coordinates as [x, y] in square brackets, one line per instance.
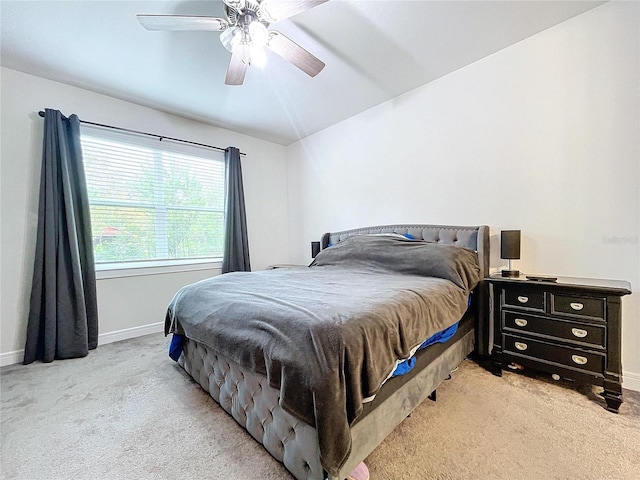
[510, 250]
[315, 249]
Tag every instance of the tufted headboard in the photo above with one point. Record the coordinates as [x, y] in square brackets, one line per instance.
[475, 238]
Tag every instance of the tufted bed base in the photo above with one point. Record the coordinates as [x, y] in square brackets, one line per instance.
[253, 403]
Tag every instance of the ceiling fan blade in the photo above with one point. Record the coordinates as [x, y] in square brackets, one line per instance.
[182, 22]
[280, 9]
[294, 53]
[237, 66]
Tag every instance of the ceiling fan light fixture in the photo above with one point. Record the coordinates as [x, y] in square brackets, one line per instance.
[257, 56]
[258, 33]
[244, 33]
[231, 37]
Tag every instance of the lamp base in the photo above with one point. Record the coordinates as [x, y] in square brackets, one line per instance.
[510, 273]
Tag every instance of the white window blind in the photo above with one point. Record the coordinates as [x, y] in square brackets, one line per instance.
[151, 200]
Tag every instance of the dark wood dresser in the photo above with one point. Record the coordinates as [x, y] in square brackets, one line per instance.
[569, 328]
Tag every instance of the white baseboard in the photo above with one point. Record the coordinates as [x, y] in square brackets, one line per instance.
[631, 381]
[9, 358]
[133, 332]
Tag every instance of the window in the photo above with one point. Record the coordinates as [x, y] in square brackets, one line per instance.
[153, 202]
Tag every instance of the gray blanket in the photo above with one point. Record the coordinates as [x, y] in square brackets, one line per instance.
[328, 336]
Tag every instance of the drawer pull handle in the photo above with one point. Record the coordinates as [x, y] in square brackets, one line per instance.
[578, 332]
[521, 346]
[580, 360]
[521, 322]
[577, 306]
[523, 299]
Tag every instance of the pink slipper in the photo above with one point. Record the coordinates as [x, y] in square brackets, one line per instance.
[361, 472]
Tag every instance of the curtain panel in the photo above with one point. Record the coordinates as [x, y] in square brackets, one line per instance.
[63, 315]
[236, 244]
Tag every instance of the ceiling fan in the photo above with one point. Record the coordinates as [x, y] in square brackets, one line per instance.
[244, 33]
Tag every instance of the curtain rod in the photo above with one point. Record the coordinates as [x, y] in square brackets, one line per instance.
[161, 137]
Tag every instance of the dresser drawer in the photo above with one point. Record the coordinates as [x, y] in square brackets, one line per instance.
[573, 305]
[570, 357]
[515, 297]
[584, 334]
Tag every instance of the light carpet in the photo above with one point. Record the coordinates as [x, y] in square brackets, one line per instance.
[128, 412]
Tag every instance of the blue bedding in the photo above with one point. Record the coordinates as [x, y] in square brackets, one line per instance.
[440, 337]
[176, 346]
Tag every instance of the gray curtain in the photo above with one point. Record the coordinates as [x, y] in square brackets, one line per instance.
[236, 244]
[63, 316]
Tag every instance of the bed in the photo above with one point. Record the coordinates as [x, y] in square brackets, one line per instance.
[316, 394]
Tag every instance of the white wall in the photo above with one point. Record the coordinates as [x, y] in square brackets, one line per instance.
[542, 136]
[132, 305]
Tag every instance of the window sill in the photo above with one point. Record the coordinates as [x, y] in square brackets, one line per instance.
[115, 270]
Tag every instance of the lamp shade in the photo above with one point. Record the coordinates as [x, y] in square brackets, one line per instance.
[315, 249]
[510, 244]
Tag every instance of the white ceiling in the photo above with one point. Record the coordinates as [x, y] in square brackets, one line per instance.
[374, 51]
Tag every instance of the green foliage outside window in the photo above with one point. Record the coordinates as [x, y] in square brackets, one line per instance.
[148, 204]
